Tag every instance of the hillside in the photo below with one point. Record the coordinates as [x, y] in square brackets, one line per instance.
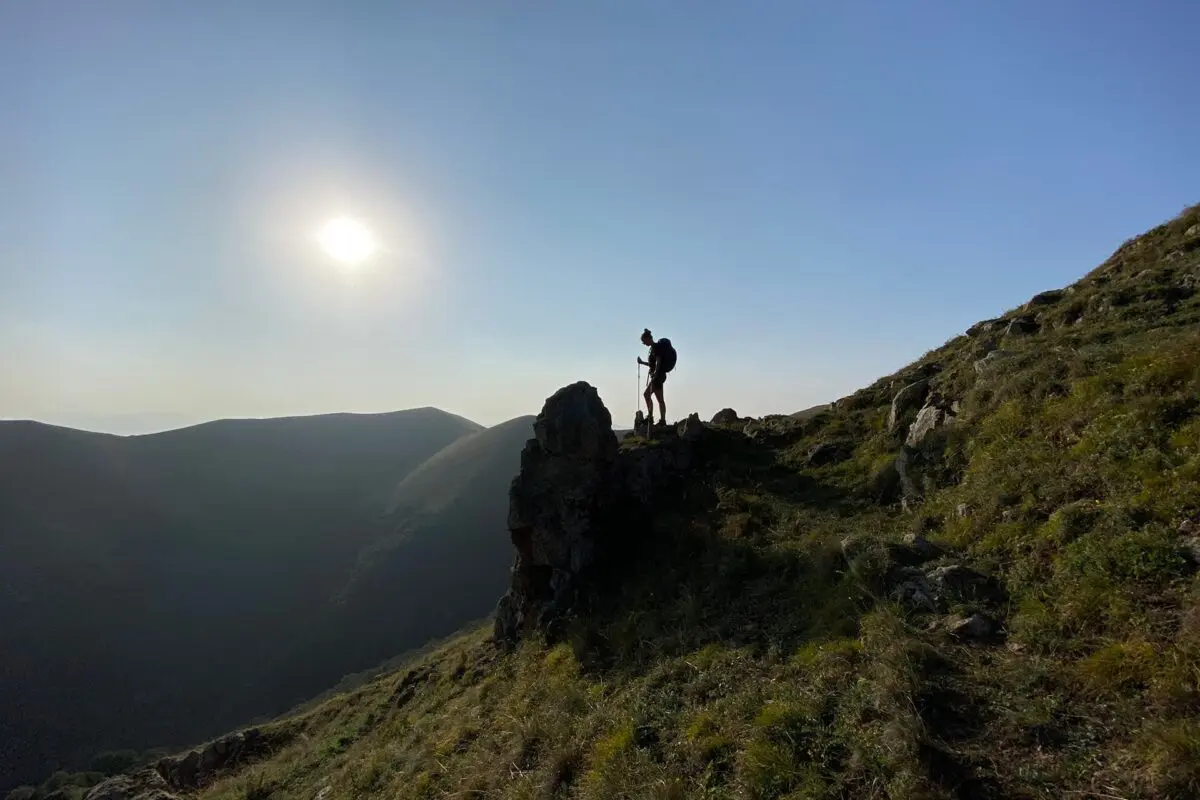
[976, 578]
[159, 589]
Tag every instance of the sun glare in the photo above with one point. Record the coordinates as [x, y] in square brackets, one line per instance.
[347, 240]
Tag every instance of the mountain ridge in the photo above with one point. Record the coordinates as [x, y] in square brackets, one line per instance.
[975, 578]
[154, 561]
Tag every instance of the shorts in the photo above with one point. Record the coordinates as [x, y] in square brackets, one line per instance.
[657, 381]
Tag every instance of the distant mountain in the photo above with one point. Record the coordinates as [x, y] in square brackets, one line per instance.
[445, 561]
[153, 589]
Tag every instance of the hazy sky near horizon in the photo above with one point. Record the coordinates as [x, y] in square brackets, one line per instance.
[803, 196]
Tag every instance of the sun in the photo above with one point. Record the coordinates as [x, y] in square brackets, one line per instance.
[347, 240]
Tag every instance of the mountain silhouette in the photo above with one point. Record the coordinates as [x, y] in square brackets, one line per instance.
[161, 588]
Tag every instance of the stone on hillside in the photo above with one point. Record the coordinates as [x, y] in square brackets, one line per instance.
[911, 588]
[181, 771]
[144, 784]
[929, 419]
[976, 626]
[926, 549]
[1046, 298]
[986, 326]
[1193, 232]
[962, 511]
[1021, 326]
[825, 453]
[692, 428]
[773, 426]
[963, 583]
[907, 399]
[991, 360]
[726, 416]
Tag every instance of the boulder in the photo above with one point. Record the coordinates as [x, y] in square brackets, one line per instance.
[908, 399]
[984, 327]
[824, 453]
[773, 428]
[962, 583]
[976, 627]
[1021, 326]
[726, 416]
[922, 547]
[910, 587]
[1046, 298]
[929, 419]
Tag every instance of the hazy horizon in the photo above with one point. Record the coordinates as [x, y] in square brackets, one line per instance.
[801, 198]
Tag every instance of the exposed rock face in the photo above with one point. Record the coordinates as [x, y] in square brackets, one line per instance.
[910, 398]
[145, 784]
[1022, 326]
[559, 505]
[574, 499]
[183, 773]
[933, 415]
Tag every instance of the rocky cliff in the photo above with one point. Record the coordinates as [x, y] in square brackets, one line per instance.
[577, 499]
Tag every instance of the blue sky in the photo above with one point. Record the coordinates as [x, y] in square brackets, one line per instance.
[802, 196]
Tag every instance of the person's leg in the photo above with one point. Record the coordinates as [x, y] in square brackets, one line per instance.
[662, 404]
[649, 404]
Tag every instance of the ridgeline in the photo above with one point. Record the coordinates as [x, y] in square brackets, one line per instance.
[975, 578]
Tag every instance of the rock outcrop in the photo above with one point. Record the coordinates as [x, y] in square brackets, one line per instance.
[185, 772]
[908, 399]
[576, 500]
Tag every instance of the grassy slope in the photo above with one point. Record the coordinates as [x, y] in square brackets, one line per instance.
[743, 657]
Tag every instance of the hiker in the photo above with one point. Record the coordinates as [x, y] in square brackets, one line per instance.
[662, 361]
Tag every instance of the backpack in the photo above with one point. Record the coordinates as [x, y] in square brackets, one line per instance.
[668, 354]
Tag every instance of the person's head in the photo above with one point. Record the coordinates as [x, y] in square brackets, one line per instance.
[647, 339]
